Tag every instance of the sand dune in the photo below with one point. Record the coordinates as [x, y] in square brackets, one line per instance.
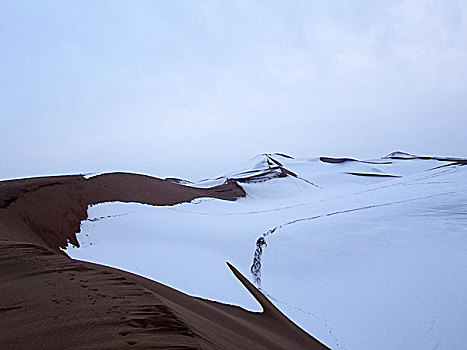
[50, 301]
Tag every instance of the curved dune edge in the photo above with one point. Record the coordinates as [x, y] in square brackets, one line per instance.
[51, 301]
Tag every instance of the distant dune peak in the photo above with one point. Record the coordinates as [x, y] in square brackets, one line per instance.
[400, 154]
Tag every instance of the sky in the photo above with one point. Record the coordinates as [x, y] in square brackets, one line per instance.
[194, 88]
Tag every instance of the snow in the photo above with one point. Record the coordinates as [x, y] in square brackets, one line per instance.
[360, 262]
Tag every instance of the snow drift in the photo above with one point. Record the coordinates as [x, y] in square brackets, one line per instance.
[361, 254]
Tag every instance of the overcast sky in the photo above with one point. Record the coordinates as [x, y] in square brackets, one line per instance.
[194, 88]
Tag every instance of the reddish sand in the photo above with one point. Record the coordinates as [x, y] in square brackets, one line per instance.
[49, 301]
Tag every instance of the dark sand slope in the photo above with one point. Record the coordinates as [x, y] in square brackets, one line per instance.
[49, 301]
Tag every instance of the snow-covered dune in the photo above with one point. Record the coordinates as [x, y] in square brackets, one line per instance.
[361, 254]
